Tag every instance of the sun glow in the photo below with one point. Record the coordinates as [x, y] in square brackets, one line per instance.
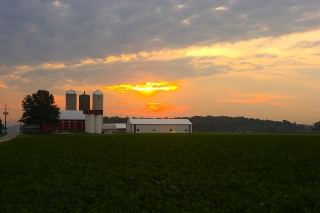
[148, 88]
[157, 107]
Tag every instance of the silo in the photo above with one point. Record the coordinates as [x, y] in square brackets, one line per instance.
[71, 100]
[97, 102]
[90, 123]
[84, 101]
[98, 124]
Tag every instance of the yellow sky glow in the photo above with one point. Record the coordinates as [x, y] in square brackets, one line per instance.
[269, 71]
[291, 45]
[147, 89]
[256, 98]
[157, 107]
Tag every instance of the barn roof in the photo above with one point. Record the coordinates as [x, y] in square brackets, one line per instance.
[71, 115]
[114, 126]
[159, 121]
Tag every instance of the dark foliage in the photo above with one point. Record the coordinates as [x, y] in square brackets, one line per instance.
[236, 124]
[115, 119]
[316, 127]
[242, 124]
[40, 108]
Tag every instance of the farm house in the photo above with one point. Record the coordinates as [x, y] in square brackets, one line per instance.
[159, 126]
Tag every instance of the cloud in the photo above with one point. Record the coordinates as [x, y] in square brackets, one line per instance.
[256, 98]
[147, 89]
[63, 44]
[2, 86]
[263, 57]
[306, 44]
[58, 4]
[221, 8]
[157, 107]
[59, 31]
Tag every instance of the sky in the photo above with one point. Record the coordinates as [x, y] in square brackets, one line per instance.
[169, 58]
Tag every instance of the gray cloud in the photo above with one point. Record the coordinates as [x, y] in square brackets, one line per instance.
[33, 31]
[307, 44]
[114, 73]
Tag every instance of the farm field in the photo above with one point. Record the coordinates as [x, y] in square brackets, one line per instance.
[161, 173]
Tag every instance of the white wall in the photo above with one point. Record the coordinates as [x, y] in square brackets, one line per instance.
[89, 123]
[158, 128]
[129, 127]
[98, 123]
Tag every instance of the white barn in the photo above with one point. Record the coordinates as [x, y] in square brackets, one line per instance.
[159, 126]
[108, 128]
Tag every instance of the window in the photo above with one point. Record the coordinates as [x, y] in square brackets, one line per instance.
[138, 130]
[154, 130]
[170, 130]
[186, 130]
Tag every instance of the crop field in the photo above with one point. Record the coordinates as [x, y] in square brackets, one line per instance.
[160, 173]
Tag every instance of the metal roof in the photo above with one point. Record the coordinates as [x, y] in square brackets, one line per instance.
[121, 126]
[114, 126]
[71, 115]
[97, 92]
[159, 121]
[71, 92]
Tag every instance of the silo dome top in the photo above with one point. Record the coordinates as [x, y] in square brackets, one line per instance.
[97, 92]
[71, 92]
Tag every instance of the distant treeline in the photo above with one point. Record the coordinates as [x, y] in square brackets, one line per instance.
[234, 124]
[242, 124]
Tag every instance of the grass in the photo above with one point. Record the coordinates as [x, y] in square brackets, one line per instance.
[161, 173]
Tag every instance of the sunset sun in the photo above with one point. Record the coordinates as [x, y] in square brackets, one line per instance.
[148, 88]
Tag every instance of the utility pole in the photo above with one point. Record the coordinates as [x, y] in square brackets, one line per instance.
[5, 113]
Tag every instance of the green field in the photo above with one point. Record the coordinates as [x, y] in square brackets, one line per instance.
[161, 173]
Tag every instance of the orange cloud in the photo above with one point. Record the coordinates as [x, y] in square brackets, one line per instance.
[123, 57]
[151, 109]
[148, 88]
[255, 98]
[53, 66]
[24, 68]
[157, 107]
[3, 85]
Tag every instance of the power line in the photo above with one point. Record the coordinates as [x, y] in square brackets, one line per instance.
[5, 113]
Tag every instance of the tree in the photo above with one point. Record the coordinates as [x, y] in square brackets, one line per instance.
[40, 108]
[0, 125]
[316, 127]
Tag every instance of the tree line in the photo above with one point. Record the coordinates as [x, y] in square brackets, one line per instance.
[245, 125]
[237, 124]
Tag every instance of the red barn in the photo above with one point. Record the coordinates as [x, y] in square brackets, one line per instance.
[71, 120]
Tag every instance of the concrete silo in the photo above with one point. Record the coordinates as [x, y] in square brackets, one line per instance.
[90, 123]
[71, 100]
[97, 100]
[98, 124]
[84, 101]
[94, 117]
[97, 105]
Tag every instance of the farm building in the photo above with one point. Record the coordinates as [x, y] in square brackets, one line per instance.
[159, 126]
[35, 128]
[71, 120]
[113, 128]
